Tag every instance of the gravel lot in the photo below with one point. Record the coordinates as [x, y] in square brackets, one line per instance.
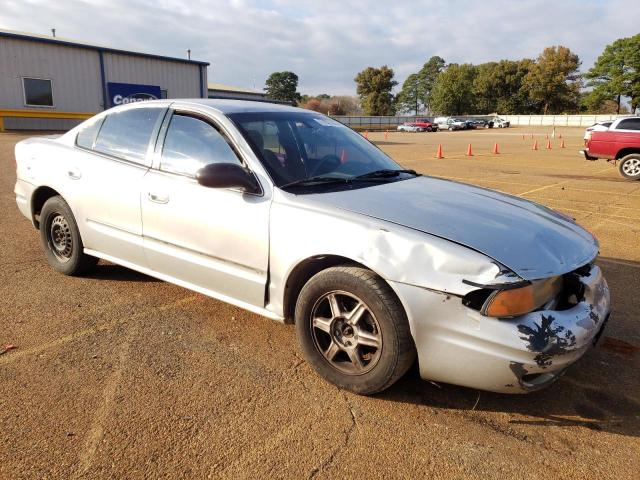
[118, 375]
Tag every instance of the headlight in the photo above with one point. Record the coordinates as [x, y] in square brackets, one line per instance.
[518, 301]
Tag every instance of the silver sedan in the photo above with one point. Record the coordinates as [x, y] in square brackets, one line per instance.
[294, 216]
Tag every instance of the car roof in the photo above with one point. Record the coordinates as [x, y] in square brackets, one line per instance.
[226, 106]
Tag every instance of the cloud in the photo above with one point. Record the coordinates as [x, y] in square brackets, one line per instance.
[326, 43]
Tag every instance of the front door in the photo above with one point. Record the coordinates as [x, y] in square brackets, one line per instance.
[213, 240]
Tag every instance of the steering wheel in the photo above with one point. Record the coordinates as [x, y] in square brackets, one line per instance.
[325, 161]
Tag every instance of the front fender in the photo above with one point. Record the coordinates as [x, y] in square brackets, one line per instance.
[396, 253]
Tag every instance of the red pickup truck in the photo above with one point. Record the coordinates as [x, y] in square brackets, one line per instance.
[619, 144]
[425, 125]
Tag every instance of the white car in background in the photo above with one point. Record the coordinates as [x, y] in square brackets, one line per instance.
[294, 216]
[500, 122]
[407, 127]
[449, 123]
[597, 127]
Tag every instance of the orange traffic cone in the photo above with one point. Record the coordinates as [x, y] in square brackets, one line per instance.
[562, 144]
[523, 136]
[532, 136]
[439, 152]
[469, 152]
[366, 134]
[535, 145]
[495, 149]
[548, 144]
[386, 134]
[559, 135]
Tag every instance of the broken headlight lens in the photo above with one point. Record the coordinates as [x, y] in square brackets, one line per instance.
[518, 301]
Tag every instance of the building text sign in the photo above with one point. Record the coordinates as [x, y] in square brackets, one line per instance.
[121, 93]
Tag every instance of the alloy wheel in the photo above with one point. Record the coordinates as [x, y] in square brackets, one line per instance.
[631, 167]
[346, 333]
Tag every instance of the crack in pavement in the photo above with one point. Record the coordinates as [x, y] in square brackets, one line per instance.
[347, 438]
[96, 432]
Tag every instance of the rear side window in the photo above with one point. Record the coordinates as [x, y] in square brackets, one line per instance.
[126, 134]
[191, 143]
[629, 124]
[87, 136]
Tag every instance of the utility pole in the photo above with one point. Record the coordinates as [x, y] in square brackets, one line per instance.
[53, 32]
[189, 54]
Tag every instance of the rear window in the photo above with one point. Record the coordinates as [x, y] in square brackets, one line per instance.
[127, 134]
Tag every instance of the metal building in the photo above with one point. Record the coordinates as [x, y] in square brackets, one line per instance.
[49, 83]
[220, 90]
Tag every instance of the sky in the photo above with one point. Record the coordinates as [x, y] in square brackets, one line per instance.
[327, 42]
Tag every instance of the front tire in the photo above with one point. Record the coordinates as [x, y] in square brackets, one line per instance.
[353, 330]
[60, 239]
[629, 166]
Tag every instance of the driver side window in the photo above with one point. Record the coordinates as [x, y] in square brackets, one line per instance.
[192, 143]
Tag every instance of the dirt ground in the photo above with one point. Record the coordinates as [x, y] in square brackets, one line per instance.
[118, 375]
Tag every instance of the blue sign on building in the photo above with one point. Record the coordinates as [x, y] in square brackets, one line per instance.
[121, 93]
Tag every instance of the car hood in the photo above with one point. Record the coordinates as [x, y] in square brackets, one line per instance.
[530, 239]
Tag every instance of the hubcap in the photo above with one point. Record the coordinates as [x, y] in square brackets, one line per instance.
[631, 167]
[60, 239]
[346, 333]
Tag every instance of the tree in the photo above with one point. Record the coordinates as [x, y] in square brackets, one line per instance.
[313, 104]
[553, 82]
[283, 86]
[374, 89]
[427, 79]
[498, 87]
[409, 98]
[616, 73]
[336, 108]
[452, 93]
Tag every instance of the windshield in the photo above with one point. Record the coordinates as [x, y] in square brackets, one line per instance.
[298, 146]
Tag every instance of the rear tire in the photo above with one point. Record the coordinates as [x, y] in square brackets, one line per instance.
[629, 166]
[353, 330]
[60, 239]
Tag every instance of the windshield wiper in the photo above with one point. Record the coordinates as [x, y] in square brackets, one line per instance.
[323, 179]
[320, 179]
[385, 173]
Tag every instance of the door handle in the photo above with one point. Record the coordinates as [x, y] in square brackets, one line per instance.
[74, 173]
[158, 198]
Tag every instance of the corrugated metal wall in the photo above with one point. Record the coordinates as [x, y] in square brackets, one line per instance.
[76, 78]
[181, 80]
[55, 124]
[75, 75]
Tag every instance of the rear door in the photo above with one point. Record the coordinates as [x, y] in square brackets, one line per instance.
[213, 240]
[115, 156]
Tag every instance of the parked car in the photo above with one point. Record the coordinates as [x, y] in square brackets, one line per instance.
[449, 123]
[597, 127]
[407, 127]
[291, 215]
[480, 123]
[500, 122]
[620, 144]
[425, 125]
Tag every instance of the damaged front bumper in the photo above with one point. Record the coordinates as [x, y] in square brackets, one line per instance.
[458, 345]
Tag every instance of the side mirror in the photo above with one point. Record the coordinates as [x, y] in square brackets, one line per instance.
[227, 175]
